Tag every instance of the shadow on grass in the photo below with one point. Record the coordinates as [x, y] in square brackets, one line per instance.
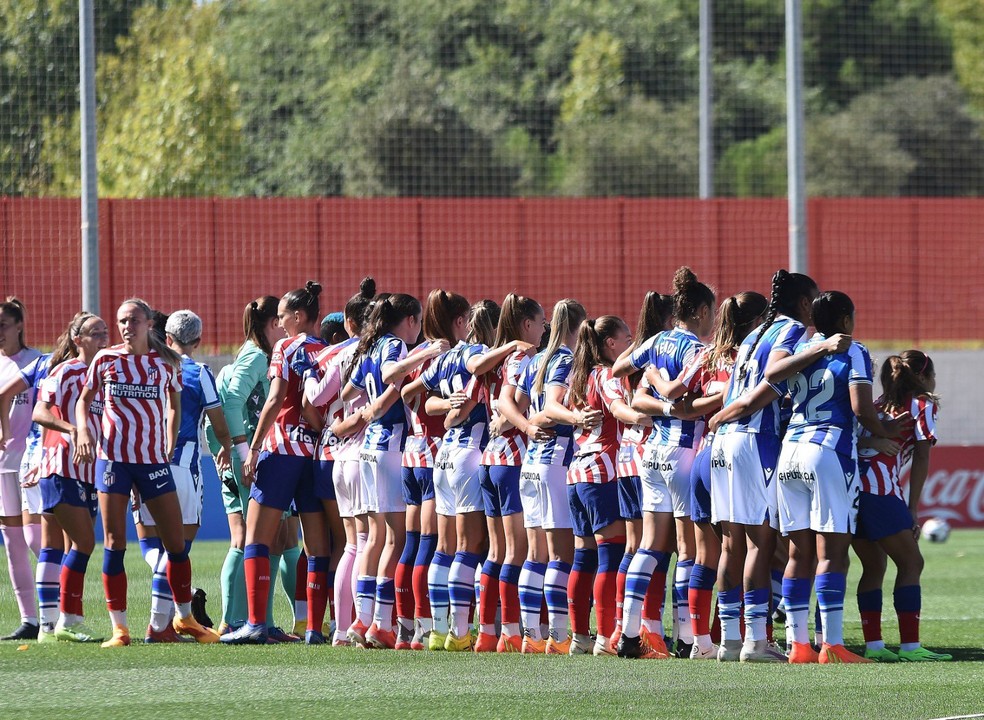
[964, 654]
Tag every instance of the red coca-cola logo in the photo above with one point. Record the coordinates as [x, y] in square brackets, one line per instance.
[954, 489]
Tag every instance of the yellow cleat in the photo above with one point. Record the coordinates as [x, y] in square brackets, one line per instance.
[121, 638]
[437, 640]
[453, 643]
[189, 626]
[557, 647]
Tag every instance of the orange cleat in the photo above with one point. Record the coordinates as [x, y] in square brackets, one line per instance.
[509, 644]
[656, 642]
[558, 647]
[533, 647]
[834, 654]
[803, 654]
[486, 643]
[192, 628]
[379, 638]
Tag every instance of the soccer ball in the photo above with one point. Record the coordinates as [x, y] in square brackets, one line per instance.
[936, 530]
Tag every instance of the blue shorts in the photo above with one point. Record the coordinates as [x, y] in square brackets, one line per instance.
[700, 487]
[151, 479]
[282, 479]
[324, 486]
[881, 516]
[418, 485]
[57, 490]
[594, 506]
[500, 490]
[630, 497]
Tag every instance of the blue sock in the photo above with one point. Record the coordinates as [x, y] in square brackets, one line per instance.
[831, 588]
[410, 548]
[77, 561]
[610, 556]
[425, 551]
[703, 577]
[113, 561]
[756, 612]
[796, 599]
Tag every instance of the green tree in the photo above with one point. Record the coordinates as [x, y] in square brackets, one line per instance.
[966, 20]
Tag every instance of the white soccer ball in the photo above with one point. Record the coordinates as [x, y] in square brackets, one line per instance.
[936, 530]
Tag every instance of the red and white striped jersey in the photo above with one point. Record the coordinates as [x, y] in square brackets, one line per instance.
[135, 400]
[323, 386]
[633, 438]
[61, 390]
[290, 433]
[597, 449]
[881, 474]
[424, 437]
[510, 447]
[702, 380]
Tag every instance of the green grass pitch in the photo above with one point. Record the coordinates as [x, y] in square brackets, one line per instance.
[213, 682]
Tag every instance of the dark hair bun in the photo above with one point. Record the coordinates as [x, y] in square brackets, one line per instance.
[313, 287]
[682, 279]
[367, 288]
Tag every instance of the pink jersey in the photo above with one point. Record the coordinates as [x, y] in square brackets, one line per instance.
[348, 447]
[424, 435]
[290, 433]
[881, 474]
[135, 400]
[323, 388]
[704, 381]
[21, 408]
[61, 390]
[597, 449]
[510, 447]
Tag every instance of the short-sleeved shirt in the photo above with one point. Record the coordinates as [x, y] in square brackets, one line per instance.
[425, 433]
[548, 452]
[198, 394]
[449, 374]
[61, 390]
[704, 380]
[135, 392]
[822, 410]
[597, 449]
[21, 409]
[783, 335]
[882, 474]
[387, 432]
[290, 433]
[509, 448]
[327, 373]
[670, 352]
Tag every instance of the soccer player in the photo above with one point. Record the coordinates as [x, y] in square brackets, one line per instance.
[20, 528]
[543, 483]
[341, 500]
[667, 460]
[521, 320]
[886, 522]
[818, 488]
[67, 486]
[140, 382]
[242, 387]
[743, 460]
[379, 369]
[280, 466]
[592, 492]
[199, 398]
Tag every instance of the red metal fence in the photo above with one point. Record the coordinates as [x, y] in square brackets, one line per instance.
[913, 266]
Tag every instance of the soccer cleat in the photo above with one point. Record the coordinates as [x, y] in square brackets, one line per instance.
[190, 626]
[121, 638]
[300, 627]
[697, 654]
[655, 641]
[836, 654]
[436, 640]
[77, 633]
[921, 654]
[509, 644]
[313, 637]
[167, 635]
[46, 634]
[760, 651]
[357, 633]
[616, 635]
[338, 642]
[198, 600]
[246, 635]
[557, 647]
[638, 648]
[404, 636]
[803, 654]
[26, 631]
[420, 636]
[884, 655]
[683, 649]
[730, 651]
[486, 643]
[379, 638]
[453, 643]
[277, 636]
[581, 647]
[533, 647]
[603, 649]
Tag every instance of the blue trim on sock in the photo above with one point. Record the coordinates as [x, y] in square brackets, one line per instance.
[77, 561]
[585, 560]
[409, 554]
[113, 561]
[908, 598]
[703, 577]
[256, 550]
[425, 553]
[870, 601]
[610, 555]
[510, 574]
[318, 563]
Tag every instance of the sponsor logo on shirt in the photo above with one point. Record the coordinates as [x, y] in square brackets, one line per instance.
[133, 391]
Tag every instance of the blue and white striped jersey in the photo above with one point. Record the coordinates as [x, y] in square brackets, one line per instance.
[389, 431]
[670, 352]
[449, 374]
[549, 452]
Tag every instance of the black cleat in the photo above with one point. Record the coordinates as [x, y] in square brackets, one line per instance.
[26, 631]
[683, 649]
[198, 600]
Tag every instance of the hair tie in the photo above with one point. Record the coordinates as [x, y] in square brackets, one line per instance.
[925, 364]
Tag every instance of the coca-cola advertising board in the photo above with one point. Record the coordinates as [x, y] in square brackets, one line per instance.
[954, 489]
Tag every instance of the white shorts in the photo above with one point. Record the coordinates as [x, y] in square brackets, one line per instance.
[543, 492]
[188, 485]
[11, 498]
[347, 480]
[743, 467]
[31, 496]
[665, 472]
[457, 486]
[818, 489]
[381, 472]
